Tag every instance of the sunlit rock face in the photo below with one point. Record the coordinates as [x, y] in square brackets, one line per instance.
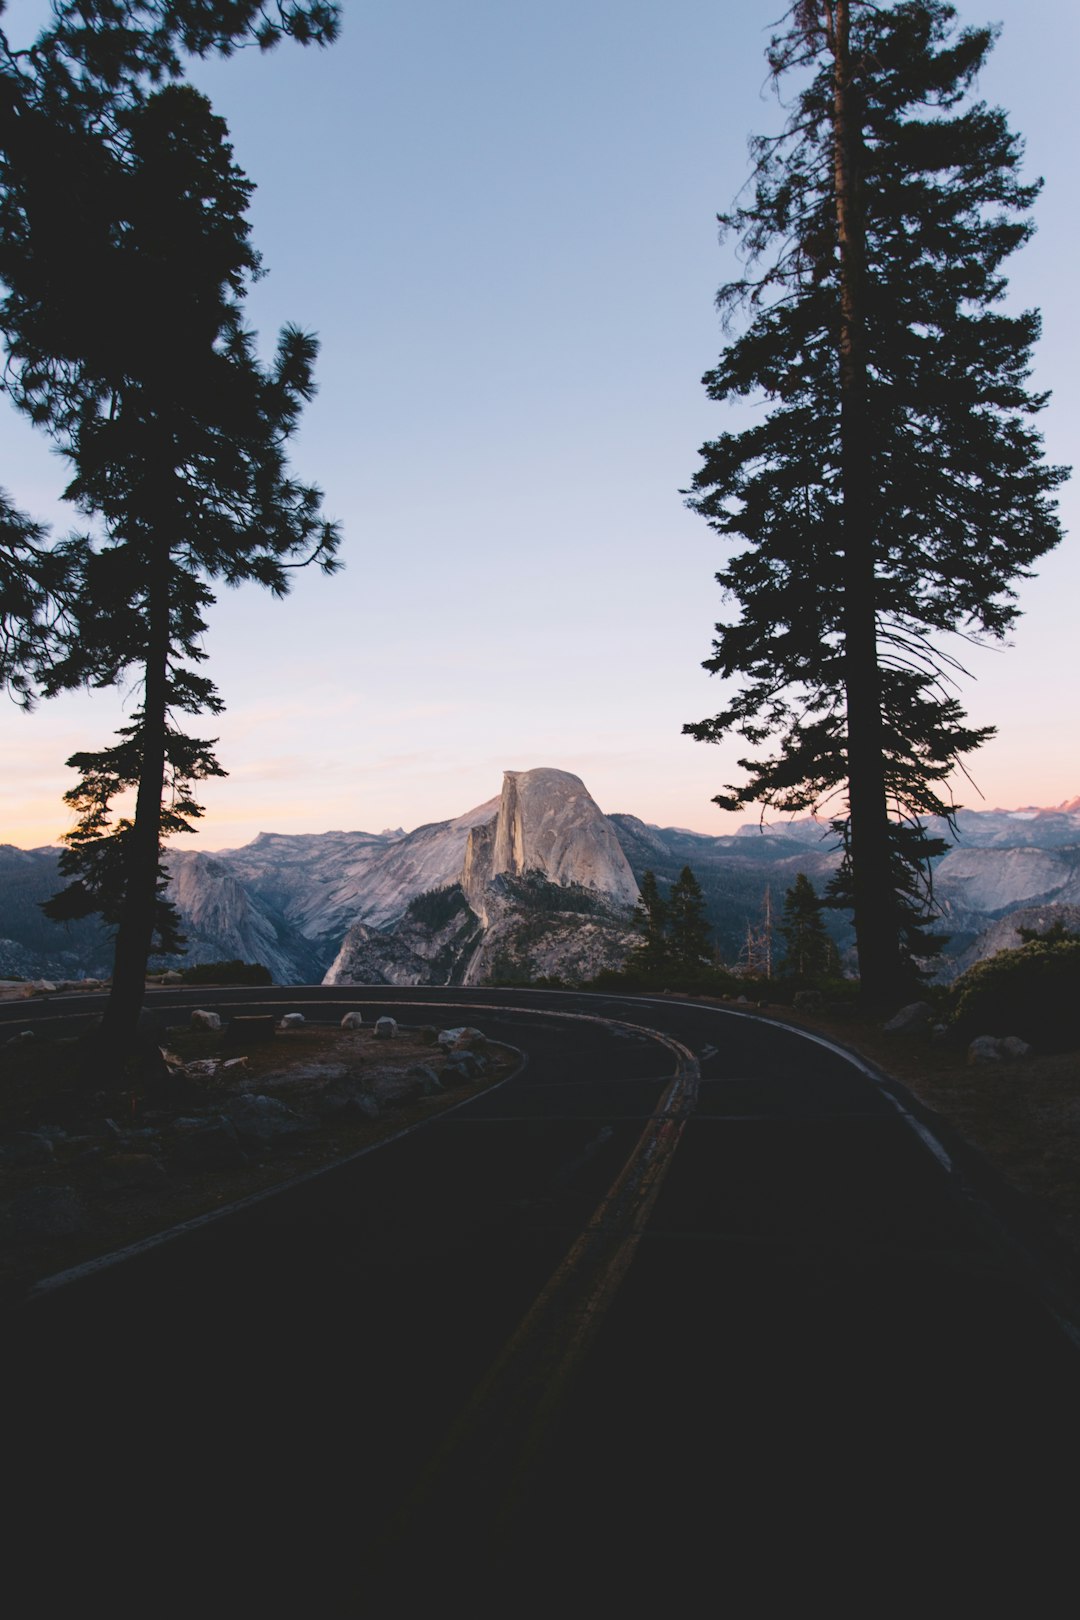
[223, 921]
[548, 822]
[546, 887]
[985, 880]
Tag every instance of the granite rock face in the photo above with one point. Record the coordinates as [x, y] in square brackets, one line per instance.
[547, 823]
[544, 888]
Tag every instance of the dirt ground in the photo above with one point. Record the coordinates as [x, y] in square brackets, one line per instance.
[87, 1171]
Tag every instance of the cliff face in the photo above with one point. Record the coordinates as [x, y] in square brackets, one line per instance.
[549, 823]
[224, 921]
[995, 879]
[547, 888]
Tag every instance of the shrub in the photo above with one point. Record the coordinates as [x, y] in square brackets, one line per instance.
[1033, 992]
[227, 973]
[434, 908]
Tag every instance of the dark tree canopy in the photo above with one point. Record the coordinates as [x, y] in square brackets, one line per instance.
[894, 491]
[651, 954]
[37, 587]
[809, 952]
[687, 925]
[63, 106]
[133, 355]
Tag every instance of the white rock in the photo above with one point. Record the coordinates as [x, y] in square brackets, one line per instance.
[352, 1020]
[910, 1020]
[450, 1037]
[292, 1021]
[202, 1019]
[985, 1049]
[385, 1029]
[1013, 1047]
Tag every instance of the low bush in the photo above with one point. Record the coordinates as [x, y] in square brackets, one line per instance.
[227, 973]
[434, 908]
[1033, 991]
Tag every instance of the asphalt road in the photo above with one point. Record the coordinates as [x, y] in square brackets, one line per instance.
[691, 1314]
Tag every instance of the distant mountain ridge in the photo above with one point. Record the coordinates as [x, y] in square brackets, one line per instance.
[294, 901]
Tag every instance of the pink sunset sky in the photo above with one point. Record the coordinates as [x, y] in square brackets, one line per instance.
[500, 220]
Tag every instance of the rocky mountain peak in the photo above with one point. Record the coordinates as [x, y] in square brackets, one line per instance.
[548, 822]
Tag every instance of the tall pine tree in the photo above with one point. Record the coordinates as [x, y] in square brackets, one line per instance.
[62, 101]
[132, 354]
[895, 490]
[809, 950]
[651, 954]
[178, 446]
[687, 924]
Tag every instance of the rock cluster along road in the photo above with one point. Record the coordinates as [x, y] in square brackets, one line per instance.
[689, 1313]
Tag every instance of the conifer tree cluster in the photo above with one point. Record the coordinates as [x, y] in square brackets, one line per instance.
[674, 932]
[809, 952]
[894, 490]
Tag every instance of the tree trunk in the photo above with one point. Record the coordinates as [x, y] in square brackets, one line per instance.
[135, 931]
[873, 900]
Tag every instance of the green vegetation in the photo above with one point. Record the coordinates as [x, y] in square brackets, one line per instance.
[688, 931]
[810, 953]
[674, 932]
[434, 908]
[673, 952]
[892, 490]
[536, 893]
[125, 258]
[227, 973]
[1033, 992]
[650, 955]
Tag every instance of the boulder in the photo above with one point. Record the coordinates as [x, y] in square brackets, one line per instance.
[172, 977]
[262, 1119]
[429, 1080]
[385, 1029]
[352, 1020]
[910, 1020]
[462, 1066]
[997, 1049]
[201, 1018]
[361, 1103]
[458, 1039]
[293, 1021]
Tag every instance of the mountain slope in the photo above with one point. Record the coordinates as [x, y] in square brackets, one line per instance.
[545, 880]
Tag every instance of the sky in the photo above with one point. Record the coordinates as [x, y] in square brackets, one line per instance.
[500, 220]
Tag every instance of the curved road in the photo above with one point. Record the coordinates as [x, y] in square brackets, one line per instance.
[691, 1311]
